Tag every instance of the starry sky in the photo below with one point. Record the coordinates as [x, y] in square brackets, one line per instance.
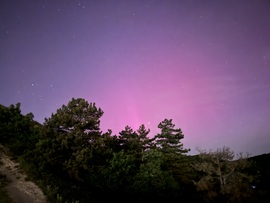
[203, 64]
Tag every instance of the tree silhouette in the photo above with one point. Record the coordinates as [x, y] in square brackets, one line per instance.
[169, 140]
[223, 177]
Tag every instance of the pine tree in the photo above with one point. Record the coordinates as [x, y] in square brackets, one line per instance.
[169, 140]
[145, 141]
[72, 138]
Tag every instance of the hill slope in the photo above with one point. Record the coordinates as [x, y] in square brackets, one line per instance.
[19, 189]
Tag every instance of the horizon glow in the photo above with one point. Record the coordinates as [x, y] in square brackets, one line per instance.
[204, 64]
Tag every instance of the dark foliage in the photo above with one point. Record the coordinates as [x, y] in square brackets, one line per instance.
[73, 160]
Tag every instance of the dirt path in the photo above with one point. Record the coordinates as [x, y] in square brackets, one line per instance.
[19, 189]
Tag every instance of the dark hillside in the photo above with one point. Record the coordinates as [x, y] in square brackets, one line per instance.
[261, 167]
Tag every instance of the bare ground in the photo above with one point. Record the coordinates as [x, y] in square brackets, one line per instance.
[19, 188]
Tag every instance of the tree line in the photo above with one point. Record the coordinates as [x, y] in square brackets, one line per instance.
[74, 161]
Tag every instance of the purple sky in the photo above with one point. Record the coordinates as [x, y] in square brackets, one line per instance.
[204, 64]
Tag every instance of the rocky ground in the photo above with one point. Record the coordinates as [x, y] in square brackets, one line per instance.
[20, 189]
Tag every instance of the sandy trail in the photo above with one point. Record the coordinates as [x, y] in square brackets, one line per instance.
[19, 189]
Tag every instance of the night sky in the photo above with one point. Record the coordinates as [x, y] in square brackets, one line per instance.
[205, 64]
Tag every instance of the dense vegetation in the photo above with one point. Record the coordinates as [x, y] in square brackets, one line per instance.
[4, 198]
[74, 161]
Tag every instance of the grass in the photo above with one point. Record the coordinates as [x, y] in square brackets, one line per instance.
[4, 196]
[3, 192]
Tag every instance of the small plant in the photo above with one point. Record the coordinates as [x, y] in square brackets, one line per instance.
[59, 198]
[3, 193]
